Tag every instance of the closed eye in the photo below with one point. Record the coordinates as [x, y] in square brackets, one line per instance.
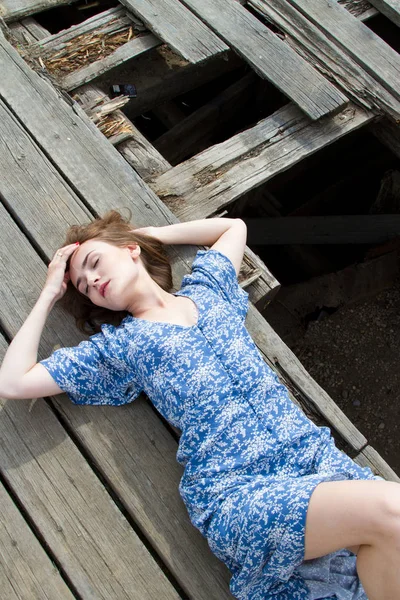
[94, 265]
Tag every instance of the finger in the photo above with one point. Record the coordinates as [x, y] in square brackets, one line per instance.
[66, 251]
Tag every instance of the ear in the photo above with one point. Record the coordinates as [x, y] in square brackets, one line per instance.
[134, 250]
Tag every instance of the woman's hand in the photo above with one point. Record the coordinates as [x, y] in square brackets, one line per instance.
[57, 279]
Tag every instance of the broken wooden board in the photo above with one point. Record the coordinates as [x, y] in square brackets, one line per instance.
[58, 53]
[12, 10]
[30, 186]
[172, 22]
[260, 289]
[356, 39]
[335, 229]
[320, 50]
[65, 134]
[269, 56]
[137, 151]
[389, 8]
[129, 50]
[216, 177]
[26, 570]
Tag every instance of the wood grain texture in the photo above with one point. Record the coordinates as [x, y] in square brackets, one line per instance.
[94, 544]
[26, 571]
[32, 188]
[369, 457]
[269, 56]
[216, 177]
[320, 49]
[172, 22]
[356, 39]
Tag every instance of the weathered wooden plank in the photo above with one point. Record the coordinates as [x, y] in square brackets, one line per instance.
[178, 27]
[194, 133]
[216, 177]
[322, 51]
[341, 229]
[26, 571]
[369, 457]
[12, 10]
[131, 447]
[122, 54]
[363, 45]
[31, 187]
[389, 8]
[94, 544]
[28, 31]
[269, 56]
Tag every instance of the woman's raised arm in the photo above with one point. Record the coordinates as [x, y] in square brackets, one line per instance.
[20, 375]
[223, 234]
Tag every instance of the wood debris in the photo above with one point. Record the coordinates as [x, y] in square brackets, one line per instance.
[85, 49]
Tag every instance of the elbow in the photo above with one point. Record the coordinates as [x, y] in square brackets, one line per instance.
[240, 223]
[8, 391]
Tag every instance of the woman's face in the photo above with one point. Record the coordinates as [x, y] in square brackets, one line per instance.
[105, 273]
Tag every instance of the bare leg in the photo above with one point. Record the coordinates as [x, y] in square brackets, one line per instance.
[378, 570]
[344, 514]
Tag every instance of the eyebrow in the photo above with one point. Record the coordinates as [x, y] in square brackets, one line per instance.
[83, 266]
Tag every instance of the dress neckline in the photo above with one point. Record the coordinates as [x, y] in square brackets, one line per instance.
[168, 323]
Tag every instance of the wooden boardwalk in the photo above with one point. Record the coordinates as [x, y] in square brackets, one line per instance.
[89, 495]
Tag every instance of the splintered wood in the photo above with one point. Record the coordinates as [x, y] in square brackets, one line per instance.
[356, 7]
[87, 48]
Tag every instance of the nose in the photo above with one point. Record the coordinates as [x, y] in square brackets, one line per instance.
[93, 279]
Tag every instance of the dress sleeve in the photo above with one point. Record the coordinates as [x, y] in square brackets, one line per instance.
[93, 373]
[216, 270]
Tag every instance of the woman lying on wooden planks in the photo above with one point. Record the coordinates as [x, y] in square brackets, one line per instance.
[277, 501]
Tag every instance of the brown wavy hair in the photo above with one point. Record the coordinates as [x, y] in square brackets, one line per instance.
[113, 229]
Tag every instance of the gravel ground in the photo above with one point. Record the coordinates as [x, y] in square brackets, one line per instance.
[354, 355]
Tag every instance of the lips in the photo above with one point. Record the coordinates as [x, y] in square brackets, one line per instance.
[103, 287]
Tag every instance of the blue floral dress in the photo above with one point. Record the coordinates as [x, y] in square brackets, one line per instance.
[251, 457]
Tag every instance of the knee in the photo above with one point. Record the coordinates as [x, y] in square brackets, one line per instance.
[389, 513]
